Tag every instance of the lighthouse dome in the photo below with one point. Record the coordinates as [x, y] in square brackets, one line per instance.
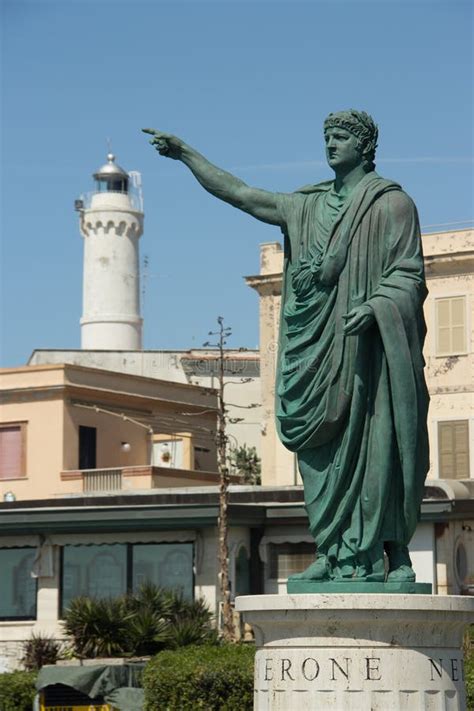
[111, 177]
[110, 169]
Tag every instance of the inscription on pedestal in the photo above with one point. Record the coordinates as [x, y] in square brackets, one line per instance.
[453, 667]
[358, 652]
[353, 671]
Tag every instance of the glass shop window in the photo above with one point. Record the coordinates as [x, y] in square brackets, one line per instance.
[169, 565]
[289, 558]
[115, 569]
[242, 573]
[17, 587]
[94, 571]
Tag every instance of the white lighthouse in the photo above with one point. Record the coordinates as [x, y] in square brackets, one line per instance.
[111, 222]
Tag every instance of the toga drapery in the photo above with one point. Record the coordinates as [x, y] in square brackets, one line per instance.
[354, 408]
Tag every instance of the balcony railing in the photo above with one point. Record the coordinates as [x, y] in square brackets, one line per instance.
[114, 479]
[104, 480]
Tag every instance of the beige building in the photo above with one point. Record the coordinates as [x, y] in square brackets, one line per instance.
[449, 354]
[197, 366]
[68, 429]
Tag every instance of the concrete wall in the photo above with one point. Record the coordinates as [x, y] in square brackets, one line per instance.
[111, 432]
[164, 365]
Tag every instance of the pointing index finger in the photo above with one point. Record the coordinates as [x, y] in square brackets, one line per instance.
[151, 131]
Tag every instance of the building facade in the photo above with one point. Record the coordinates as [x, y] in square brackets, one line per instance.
[197, 366]
[67, 429]
[54, 549]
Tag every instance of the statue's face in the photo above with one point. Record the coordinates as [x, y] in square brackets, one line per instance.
[342, 149]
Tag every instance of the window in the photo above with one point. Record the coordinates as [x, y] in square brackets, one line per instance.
[12, 450]
[453, 449]
[450, 325]
[289, 558]
[242, 573]
[87, 447]
[95, 571]
[17, 587]
[169, 565]
[112, 570]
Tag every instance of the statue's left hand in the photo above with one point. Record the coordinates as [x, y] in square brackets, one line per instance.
[358, 320]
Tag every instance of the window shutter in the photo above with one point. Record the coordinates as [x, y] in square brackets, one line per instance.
[458, 324]
[442, 312]
[453, 449]
[461, 449]
[11, 442]
[451, 325]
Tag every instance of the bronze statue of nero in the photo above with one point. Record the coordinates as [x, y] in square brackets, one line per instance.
[351, 398]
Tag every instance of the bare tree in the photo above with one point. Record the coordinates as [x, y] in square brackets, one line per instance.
[227, 621]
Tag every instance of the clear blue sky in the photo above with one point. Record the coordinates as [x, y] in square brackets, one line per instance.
[248, 84]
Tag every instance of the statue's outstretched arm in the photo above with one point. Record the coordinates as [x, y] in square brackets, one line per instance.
[258, 203]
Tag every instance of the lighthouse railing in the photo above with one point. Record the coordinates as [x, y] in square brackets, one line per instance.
[135, 199]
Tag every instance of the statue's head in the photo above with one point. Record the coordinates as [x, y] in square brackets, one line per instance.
[360, 125]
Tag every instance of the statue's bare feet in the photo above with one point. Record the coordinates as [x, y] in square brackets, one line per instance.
[319, 570]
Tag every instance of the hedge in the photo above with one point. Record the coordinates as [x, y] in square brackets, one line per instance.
[201, 677]
[219, 679]
[469, 667]
[17, 691]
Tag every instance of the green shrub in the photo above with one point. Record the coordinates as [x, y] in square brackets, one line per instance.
[469, 667]
[211, 678]
[142, 623]
[17, 691]
[40, 650]
[98, 628]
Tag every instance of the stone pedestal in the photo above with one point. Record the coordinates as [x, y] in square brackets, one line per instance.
[358, 652]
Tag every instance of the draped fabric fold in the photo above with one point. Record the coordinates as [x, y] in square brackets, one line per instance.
[354, 408]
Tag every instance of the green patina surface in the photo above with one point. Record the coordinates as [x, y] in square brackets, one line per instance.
[351, 398]
[332, 586]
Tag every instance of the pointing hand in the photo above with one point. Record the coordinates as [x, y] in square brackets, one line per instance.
[165, 143]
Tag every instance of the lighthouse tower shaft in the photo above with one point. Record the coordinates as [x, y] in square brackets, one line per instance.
[111, 228]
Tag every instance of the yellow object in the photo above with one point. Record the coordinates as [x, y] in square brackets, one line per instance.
[68, 707]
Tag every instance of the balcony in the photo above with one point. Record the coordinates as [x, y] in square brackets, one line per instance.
[103, 480]
[120, 479]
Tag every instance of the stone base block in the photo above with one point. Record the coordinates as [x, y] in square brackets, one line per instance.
[358, 652]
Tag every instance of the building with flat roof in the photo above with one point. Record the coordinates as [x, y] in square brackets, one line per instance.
[68, 429]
